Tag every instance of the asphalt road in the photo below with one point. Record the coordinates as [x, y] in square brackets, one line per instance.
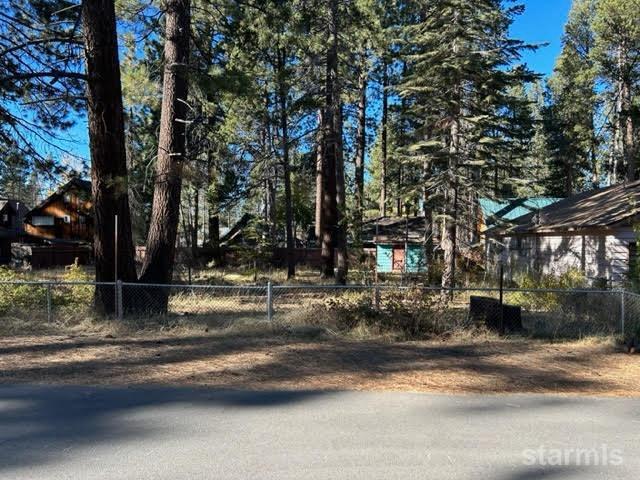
[160, 433]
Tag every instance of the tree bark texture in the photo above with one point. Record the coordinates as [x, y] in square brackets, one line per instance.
[319, 174]
[361, 147]
[109, 180]
[342, 259]
[163, 227]
[283, 94]
[450, 233]
[383, 141]
[331, 146]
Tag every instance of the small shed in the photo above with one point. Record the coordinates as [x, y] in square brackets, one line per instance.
[398, 243]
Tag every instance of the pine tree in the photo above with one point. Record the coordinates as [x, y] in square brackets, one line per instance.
[458, 56]
[575, 105]
[41, 78]
[163, 227]
[617, 49]
[109, 176]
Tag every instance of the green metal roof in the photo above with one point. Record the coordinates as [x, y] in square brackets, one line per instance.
[508, 210]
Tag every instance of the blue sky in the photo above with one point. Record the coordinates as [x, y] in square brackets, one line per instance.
[542, 22]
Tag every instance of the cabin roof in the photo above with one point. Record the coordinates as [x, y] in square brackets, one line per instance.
[608, 207]
[235, 233]
[393, 229]
[496, 212]
[74, 182]
[16, 206]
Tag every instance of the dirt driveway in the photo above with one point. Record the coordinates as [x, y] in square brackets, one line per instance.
[281, 361]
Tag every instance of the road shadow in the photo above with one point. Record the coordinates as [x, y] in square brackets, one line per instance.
[38, 424]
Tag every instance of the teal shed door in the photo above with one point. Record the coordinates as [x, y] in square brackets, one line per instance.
[415, 259]
[384, 258]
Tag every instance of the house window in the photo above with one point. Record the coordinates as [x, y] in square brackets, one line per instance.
[67, 198]
[67, 219]
[42, 221]
[81, 219]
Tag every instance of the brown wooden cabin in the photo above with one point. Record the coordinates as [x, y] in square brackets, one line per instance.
[66, 215]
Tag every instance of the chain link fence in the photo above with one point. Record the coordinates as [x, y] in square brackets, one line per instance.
[413, 310]
[51, 301]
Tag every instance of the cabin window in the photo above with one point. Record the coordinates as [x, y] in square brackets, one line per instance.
[5, 218]
[42, 221]
[67, 198]
[81, 219]
[67, 219]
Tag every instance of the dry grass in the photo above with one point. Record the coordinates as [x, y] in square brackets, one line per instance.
[257, 356]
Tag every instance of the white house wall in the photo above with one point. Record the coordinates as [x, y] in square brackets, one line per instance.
[598, 255]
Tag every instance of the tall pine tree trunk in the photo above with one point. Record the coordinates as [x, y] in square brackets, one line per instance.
[593, 152]
[163, 227]
[283, 94]
[628, 132]
[399, 192]
[331, 146]
[213, 215]
[624, 130]
[342, 259]
[428, 222]
[319, 174]
[214, 236]
[383, 141]
[449, 236]
[568, 176]
[270, 174]
[361, 147]
[195, 224]
[109, 180]
[617, 149]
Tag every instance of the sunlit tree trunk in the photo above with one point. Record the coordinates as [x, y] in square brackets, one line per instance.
[361, 146]
[319, 174]
[163, 227]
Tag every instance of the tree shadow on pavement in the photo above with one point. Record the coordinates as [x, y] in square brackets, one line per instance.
[41, 424]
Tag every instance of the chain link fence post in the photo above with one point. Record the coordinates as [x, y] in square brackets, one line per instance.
[269, 301]
[49, 306]
[622, 312]
[119, 309]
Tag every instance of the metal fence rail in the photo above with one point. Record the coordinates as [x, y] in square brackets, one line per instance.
[548, 312]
